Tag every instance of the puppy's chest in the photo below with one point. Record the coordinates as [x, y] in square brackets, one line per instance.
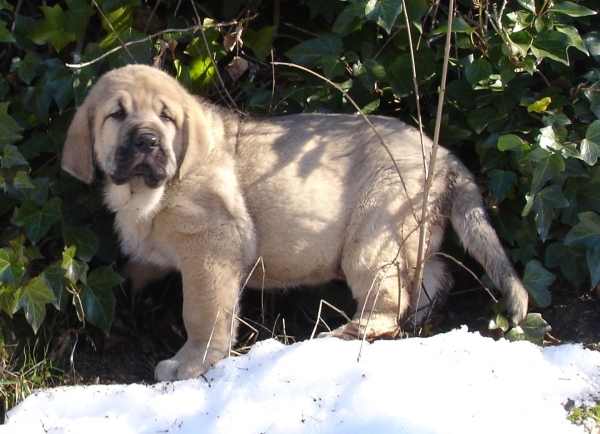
[144, 239]
[136, 213]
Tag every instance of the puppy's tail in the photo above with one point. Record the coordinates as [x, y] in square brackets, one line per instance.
[471, 222]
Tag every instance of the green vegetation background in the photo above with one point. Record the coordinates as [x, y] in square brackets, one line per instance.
[522, 109]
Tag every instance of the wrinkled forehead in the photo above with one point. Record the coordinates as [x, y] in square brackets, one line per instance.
[140, 101]
[138, 92]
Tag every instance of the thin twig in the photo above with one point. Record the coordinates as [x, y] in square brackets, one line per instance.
[191, 29]
[112, 28]
[423, 151]
[319, 319]
[418, 277]
[367, 120]
[460, 264]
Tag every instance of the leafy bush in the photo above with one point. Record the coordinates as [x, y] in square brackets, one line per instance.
[522, 109]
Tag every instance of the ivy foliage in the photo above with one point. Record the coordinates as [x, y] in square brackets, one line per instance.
[522, 108]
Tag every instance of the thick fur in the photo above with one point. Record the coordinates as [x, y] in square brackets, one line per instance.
[314, 197]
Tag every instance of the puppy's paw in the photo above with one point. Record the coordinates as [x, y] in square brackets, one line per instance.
[189, 362]
[379, 327]
[172, 369]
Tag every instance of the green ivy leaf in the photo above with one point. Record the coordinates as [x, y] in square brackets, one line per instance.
[10, 131]
[53, 28]
[477, 71]
[11, 269]
[570, 261]
[590, 146]
[537, 280]
[592, 93]
[369, 73]
[544, 203]
[115, 24]
[39, 98]
[28, 67]
[592, 44]
[260, 41]
[592, 257]
[527, 4]
[74, 270]
[61, 84]
[349, 20]
[309, 53]
[383, 12]
[532, 329]
[501, 182]
[480, 118]
[552, 45]
[571, 9]
[33, 301]
[12, 157]
[399, 75]
[8, 299]
[450, 133]
[201, 72]
[35, 222]
[574, 36]
[5, 35]
[547, 165]
[84, 240]
[327, 8]
[53, 277]
[549, 139]
[586, 233]
[333, 66]
[38, 191]
[510, 142]
[22, 181]
[458, 26]
[97, 298]
[400, 72]
[540, 106]
[499, 321]
[77, 16]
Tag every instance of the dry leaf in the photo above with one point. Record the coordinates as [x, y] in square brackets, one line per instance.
[237, 67]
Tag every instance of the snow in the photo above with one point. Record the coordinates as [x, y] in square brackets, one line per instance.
[458, 382]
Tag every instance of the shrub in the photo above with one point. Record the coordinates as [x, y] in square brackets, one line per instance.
[522, 109]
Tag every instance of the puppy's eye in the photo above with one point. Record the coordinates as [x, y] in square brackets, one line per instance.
[118, 115]
[165, 116]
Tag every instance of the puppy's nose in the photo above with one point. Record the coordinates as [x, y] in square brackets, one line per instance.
[146, 142]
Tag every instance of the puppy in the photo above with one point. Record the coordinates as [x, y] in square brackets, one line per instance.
[314, 197]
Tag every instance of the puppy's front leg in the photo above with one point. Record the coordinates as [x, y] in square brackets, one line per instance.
[210, 292]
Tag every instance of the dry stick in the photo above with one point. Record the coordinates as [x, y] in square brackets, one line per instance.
[212, 331]
[416, 86]
[364, 337]
[233, 313]
[319, 319]
[423, 152]
[460, 264]
[418, 278]
[191, 29]
[366, 118]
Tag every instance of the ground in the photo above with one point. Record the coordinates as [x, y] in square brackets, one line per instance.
[155, 332]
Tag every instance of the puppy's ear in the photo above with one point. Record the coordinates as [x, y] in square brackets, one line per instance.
[197, 140]
[77, 155]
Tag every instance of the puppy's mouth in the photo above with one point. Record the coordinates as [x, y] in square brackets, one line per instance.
[141, 155]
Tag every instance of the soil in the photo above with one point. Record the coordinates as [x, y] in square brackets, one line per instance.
[154, 329]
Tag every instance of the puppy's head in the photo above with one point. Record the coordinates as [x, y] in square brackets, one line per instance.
[137, 122]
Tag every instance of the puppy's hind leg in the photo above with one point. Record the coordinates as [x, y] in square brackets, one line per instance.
[379, 288]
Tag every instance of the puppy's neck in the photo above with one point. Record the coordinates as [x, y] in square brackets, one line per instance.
[134, 198]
